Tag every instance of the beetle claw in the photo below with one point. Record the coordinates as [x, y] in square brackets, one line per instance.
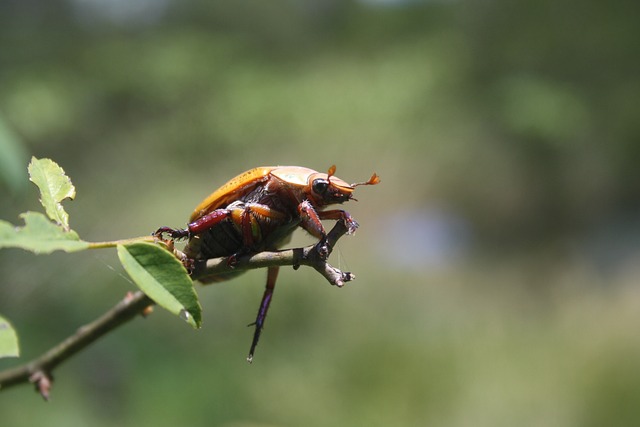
[232, 260]
[352, 225]
[189, 264]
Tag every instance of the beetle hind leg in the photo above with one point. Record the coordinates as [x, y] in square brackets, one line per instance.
[272, 275]
[174, 233]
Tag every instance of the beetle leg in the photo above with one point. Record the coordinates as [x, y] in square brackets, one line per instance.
[249, 218]
[250, 226]
[310, 220]
[272, 275]
[198, 226]
[174, 233]
[339, 214]
[241, 216]
[208, 221]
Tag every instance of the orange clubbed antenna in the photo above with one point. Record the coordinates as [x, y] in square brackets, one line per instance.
[375, 179]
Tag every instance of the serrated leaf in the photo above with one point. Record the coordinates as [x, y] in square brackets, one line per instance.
[39, 235]
[8, 340]
[163, 278]
[55, 186]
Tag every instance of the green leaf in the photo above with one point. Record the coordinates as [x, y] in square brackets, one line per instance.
[8, 340]
[163, 278]
[39, 235]
[54, 185]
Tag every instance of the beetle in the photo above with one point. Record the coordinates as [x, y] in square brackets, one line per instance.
[258, 210]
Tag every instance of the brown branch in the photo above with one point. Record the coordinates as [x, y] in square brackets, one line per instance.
[313, 256]
[38, 371]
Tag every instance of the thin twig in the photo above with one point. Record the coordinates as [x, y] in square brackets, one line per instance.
[114, 243]
[38, 371]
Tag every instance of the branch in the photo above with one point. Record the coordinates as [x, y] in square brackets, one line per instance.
[38, 371]
[313, 256]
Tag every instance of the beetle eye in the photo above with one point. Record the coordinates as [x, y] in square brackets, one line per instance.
[320, 185]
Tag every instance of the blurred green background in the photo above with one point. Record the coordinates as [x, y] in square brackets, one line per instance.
[497, 264]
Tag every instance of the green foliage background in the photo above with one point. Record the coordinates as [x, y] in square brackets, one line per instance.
[497, 263]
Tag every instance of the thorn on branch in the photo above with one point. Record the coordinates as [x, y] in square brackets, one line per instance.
[130, 297]
[43, 383]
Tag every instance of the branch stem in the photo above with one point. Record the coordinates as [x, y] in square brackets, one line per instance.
[311, 256]
[114, 243]
[38, 371]
[122, 312]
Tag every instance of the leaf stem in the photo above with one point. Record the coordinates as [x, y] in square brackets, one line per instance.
[114, 243]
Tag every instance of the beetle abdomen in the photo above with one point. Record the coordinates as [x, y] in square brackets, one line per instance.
[222, 240]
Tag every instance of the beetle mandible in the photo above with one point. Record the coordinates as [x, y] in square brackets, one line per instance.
[258, 210]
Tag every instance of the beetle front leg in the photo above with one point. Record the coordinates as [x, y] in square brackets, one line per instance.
[310, 220]
[339, 214]
[272, 275]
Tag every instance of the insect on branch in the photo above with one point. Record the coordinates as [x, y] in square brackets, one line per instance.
[39, 370]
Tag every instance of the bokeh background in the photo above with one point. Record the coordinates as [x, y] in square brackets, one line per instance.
[498, 262]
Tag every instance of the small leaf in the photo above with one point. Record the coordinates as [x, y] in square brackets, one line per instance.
[163, 278]
[8, 340]
[39, 235]
[54, 185]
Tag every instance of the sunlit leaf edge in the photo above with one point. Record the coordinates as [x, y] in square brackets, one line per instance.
[163, 278]
[39, 235]
[9, 345]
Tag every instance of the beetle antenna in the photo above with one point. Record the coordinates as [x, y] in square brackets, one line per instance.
[375, 179]
[330, 172]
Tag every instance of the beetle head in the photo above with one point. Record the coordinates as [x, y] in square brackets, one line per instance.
[328, 189]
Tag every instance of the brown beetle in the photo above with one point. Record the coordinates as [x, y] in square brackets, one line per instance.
[258, 210]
